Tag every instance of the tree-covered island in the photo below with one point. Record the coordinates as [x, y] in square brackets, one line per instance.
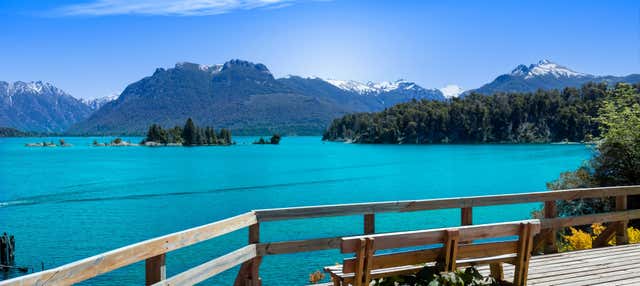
[189, 135]
[274, 140]
[540, 117]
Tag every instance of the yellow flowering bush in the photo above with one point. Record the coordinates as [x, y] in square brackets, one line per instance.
[579, 239]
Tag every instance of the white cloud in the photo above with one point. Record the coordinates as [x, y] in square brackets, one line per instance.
[451, 91]
[168, 7]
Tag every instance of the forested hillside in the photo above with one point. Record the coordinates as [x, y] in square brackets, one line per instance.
[542, 116]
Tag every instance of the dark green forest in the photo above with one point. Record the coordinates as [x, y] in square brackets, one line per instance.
[189, 135]
[12, 132]
[539, 117]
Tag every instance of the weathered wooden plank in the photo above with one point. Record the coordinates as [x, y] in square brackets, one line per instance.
[208, 269]
[397, 259]
[155, 269]
[606, 235]
[452, 237]
[360, 259]
[466, 216]
[556, 223]
[369, 224]
[622, 237]
[550, 211]
[497, 271]
[93, 266]
[446, 203]
[296, 246]
[433, 236]
[248, 275]
[487, 249]
[368, 260]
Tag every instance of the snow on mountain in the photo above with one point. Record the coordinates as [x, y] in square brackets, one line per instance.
[96, 103]
[373, 87]
[352, 85]
[451, 91]
[544, 68]
[34, 87]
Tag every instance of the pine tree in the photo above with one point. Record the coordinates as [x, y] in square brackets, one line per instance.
[190, 133]
[275, 139]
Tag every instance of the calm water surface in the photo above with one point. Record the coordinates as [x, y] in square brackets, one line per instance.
[64, 204]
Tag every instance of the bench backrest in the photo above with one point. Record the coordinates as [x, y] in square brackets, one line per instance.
[448, 246]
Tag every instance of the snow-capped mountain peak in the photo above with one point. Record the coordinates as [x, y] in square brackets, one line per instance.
[96, 103]
[545, 68]
[451, 91]
[33, 87]
[352, 85]
[373, 87]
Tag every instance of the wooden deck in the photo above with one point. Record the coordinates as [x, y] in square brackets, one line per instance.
[614, 265]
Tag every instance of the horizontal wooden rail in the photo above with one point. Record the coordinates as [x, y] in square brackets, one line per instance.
[93, 266]
[434, 236]
[436, 204]
[560, 222]
[209, 269]
[295, 246]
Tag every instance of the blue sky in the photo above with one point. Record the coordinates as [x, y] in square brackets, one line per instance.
[93, 48]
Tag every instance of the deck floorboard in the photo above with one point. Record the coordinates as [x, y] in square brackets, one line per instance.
[613, 265]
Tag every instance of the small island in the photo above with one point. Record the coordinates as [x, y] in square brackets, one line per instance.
[189, 135]
[275, 140]
[118, 142]
[62, 143]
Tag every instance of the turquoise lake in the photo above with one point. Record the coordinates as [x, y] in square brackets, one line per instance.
[64, 204]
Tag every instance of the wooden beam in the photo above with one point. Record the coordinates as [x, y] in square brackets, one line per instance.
[155, 269]
[450, 249]
[369, 224]
[436, 204]
[248, 274]
[466, 216]
[606, 235]
[208, 269]
[434, 236]
[556, 223]
[524, 254]
[497, 271]
[550, 211]
[621, 228]
[360, 260]
[295, 246]
[369, 251]
[93, 266]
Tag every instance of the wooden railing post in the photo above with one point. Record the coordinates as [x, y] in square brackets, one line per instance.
[550, 211]
[249, 274]
[466, 216]
[369, 224]
[621, 227]
[155, 269]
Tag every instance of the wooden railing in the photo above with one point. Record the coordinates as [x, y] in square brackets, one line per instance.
[153, 251]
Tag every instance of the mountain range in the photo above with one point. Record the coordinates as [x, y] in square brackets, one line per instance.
[545, 75]
[246, 98]
[38, 106]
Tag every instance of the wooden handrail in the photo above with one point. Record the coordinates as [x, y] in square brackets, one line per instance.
[208, 269]
[153, 250]
[437, 204]
[93, 266]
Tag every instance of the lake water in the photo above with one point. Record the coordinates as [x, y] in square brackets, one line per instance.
[64, 204]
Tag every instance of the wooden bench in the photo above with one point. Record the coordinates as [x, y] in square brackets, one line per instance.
[453, 247]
